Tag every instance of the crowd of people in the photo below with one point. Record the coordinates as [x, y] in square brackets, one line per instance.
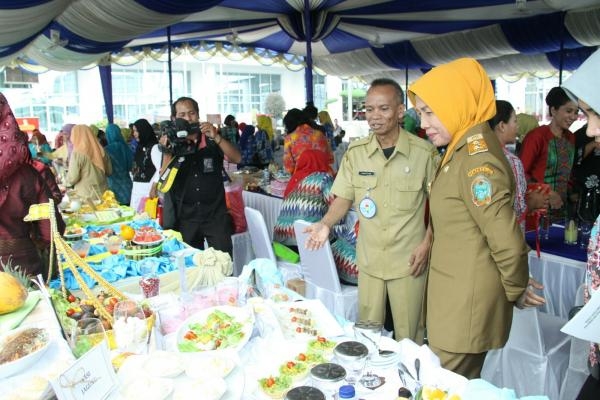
[422, 181]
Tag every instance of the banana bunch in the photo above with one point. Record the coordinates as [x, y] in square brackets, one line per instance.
[108, 201]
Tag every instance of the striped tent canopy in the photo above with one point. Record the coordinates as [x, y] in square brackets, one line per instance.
[346, 38]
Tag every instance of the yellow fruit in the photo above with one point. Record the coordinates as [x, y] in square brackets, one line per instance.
[127, 232]
[12, 293]
[431, 393]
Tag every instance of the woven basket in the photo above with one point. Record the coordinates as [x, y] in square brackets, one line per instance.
[139, 251]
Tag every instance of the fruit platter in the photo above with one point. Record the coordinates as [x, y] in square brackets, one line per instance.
[147, 236]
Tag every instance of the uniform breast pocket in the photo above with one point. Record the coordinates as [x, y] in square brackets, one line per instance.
[408, 196]
[364, 183]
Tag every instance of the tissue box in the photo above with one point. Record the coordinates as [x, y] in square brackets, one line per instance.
[297, 285]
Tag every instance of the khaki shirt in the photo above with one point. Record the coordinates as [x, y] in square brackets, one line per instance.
[398, 186]
[88, 180]
[478, 265]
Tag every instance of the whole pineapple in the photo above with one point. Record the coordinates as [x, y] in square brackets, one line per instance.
[13, 287]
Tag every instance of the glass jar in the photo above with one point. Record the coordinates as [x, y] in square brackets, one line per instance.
[352, 355]
[305, 393]
[149, 282]
[327, 377]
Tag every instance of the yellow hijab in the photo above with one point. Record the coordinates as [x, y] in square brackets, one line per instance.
[263, 123]
[84, 142]
[460, 94]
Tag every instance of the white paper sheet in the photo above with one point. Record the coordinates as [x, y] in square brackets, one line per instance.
[586, 324]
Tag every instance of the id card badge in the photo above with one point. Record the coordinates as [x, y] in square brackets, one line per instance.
[367, 206]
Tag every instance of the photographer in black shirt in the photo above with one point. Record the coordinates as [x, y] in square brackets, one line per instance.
[195, 198]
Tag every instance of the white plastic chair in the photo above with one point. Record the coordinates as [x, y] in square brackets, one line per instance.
[262, 246]
[578, 370]
[321, 277]
[535, 358]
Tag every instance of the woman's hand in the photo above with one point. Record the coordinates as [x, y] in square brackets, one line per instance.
[318, 234]
[529, 298]
[537, 200]
[555, 200]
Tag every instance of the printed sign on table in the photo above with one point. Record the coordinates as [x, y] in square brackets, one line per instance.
[91, 377]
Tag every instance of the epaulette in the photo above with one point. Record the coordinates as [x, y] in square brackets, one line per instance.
[476, 144]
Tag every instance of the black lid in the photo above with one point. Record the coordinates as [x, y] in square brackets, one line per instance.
[305, 393]
[328, 372]
[351, 349]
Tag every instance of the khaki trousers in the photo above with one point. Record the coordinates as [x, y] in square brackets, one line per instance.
[406, 300]
[468, 365]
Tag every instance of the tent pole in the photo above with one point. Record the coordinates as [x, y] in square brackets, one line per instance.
[170, 64]
[562, 50]
[308, 79]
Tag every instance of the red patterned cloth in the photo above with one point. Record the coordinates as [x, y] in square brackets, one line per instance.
[302, 138]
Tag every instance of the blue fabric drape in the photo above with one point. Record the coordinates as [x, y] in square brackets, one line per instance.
[106, 81]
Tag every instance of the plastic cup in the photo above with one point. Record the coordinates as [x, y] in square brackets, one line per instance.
[228, 292]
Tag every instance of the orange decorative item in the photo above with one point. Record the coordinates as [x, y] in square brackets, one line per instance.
[127, 232]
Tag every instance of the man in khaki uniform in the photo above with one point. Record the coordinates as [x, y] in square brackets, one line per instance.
[386, 176]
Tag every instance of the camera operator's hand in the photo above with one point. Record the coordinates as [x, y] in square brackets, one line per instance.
[163, 140]
[209, 130]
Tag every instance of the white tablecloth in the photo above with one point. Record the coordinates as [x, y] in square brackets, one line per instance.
[561, 277]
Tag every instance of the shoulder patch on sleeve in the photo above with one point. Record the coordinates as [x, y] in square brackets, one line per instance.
[476, 144]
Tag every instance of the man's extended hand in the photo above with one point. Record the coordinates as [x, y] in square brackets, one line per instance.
[318, 234]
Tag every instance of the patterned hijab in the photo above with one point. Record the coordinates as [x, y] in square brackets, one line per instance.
[84, 142]
[309, 162]
[13, 147]
[460, 94]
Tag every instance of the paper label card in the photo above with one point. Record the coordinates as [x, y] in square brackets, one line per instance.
[585, 324]
[91, 377]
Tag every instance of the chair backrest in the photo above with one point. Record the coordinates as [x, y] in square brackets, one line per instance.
[261, 244]
[318, 266]
[525, 331]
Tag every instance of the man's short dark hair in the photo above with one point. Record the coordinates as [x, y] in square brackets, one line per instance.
[181, 100]
[389, 82]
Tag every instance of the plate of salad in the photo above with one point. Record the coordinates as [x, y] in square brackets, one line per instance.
[215, 328]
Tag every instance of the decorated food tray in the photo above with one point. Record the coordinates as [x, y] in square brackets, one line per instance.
[215, 328]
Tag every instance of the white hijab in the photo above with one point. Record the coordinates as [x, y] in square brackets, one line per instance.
[584, 84]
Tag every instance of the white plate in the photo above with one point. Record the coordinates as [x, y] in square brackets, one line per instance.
[147, 388]
[14, 367]
[133, 369]
[149, 243]
[207, 388]
[241, 315]
[163, 364]
[323, 322]
[219, 363]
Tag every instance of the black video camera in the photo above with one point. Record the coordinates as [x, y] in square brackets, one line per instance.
[177, 132]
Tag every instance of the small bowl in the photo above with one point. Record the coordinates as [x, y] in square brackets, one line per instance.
[113, 244]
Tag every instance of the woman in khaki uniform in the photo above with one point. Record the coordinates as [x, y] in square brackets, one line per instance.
[478, 267]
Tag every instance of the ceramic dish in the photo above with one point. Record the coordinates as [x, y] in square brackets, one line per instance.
[14, 367]
[74, 233]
